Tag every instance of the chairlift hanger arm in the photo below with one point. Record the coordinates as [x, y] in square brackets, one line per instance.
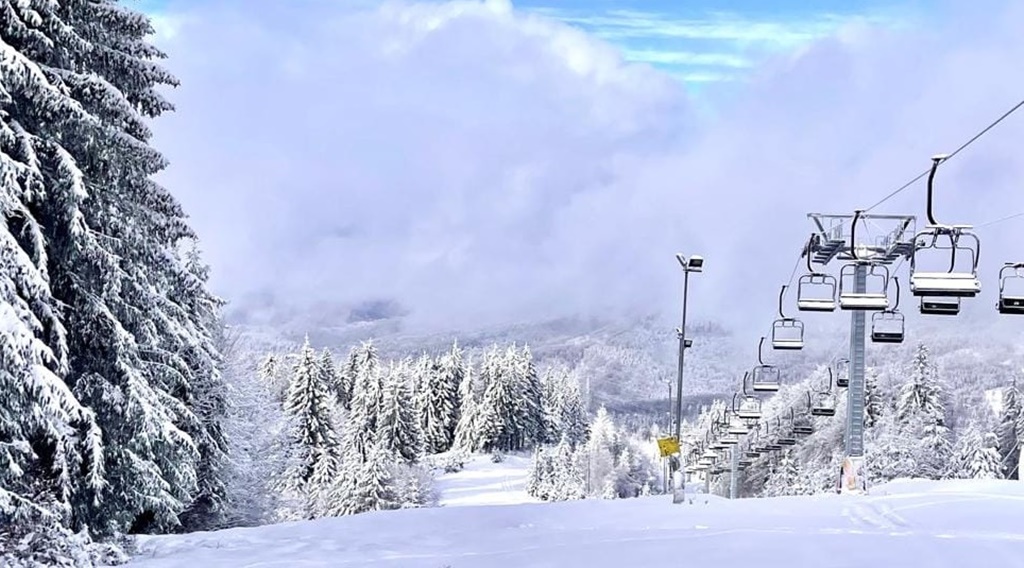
[936, 160]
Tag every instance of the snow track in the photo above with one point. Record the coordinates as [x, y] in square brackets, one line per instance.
[901, 524]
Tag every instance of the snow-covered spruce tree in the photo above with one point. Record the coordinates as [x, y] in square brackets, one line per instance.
[567, 481]
[601, 450]
[1010, 431]
[530, 407]
[362, 360]
[920, 412]
[440, 401]
[209, 401]
[873, 401]
[365, 483]
[429, 406]
[270, 374]
[785, 479]
[50, 445]
[467, 431]
[366, 401]
[986, 463]
[313, 439]
[573, 411]
[330, 376]
[134, 349]
[398, 430]
[497, 411]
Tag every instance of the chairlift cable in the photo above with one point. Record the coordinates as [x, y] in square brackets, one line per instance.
[954, 153]
[1007, 218]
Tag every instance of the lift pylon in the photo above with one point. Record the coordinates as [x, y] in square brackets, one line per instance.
[848, 239]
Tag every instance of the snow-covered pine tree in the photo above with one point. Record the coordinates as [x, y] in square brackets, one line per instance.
[530, 402]
[38, 412]
[443, 401]
[920, 411]
[113, 235]
[600, 449]
[269, 373]
[1010, 431]
[551, 391]
[873, 403]
[209, 400]
[398, 430]
[573, 411]
[331, 377]
[467, 434]
[366, 400]
[568, 482]
[314, 441]
[432, 406]
[365, 483]
[497, 420]
[986, 462]
[362, 360]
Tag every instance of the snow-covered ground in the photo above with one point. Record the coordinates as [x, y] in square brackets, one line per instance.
[901, 524]
[482, 482]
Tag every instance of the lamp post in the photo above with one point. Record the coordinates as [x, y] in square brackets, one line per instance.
[692, 264]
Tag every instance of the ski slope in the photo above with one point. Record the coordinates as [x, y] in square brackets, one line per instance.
[901, 524]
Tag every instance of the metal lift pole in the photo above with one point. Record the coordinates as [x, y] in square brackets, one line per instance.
[851, 481]
[733, 480]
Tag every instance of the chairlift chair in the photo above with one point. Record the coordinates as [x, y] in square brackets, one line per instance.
[822, 403]
[1010, 304]
[801, 426]
[868, 300]
[783, 439]
[887, 326]
[737, 426]
[743, 463]
[765, 378]
[752, 453]
[816, 291]
[951, 283]
[842, 372]
[787, 333]
[746, 405]
[940, 305]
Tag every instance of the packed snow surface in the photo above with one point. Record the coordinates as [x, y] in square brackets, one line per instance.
[482, 482]
[901, 524]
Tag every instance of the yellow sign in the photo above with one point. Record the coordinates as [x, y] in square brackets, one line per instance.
[668, 446]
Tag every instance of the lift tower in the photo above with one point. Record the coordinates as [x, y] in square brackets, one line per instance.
[866, 245]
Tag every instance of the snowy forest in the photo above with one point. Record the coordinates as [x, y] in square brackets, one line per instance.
[130, 405]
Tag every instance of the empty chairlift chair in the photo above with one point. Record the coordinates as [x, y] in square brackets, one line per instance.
[816, 291]
[765, 378]
[1011, 302]
[874, 298]
[842, 374]
[737, 426]
[787, 333]
[953, 241]
[800, 423]
[888, 326]
[783, 438]
[744, 405]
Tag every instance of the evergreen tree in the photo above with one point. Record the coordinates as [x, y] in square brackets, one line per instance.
[366, 402]
[269, 373]
[314, 440]
[499, 411]
[873, 402]
[398, 430]
[467, 433]
[434, 406]
[365, 483]
[530, 407]
[1010, 431]
[331, 378]
[446, 398]
[920, 412]
[362, 361]
[986, 462]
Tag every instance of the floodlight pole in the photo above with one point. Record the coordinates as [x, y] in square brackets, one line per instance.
[678, 478]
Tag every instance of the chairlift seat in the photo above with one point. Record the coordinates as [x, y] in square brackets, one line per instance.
[803, 430]
[816, 305]
[749, 413]
[863, 301]
[887, 336]
[730, 440]
[940, 307]
[787, 441]
[773, 447]
[788, 344]
[945, 284]
[738, 429]
[765, 379]
[1011, 305]
[843, 382]
[752, 454]
[823, 411]
[744, 463]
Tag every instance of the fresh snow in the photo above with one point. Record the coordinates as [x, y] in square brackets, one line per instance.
[902, 523]
[482, 482]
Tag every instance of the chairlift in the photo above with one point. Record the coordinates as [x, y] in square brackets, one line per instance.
[737, 427]
[801, 427]
[822, 403]
[816, 291]
[951, 283]
[752, 453]
[717, 469]
[940, 305]
[1010, 303]
[765, 378]
[851, 299]
[843, 378]
[745, 405]
[787, 333]
[783, 439]
[863, 301]
[744, 463]
[887, 326]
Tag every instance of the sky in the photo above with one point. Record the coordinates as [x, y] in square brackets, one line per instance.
[477, 162]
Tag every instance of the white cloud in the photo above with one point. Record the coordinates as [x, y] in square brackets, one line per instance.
[477, 162]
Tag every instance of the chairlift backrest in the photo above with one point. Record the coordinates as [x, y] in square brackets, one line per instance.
[1011, 302]
[873, 298]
